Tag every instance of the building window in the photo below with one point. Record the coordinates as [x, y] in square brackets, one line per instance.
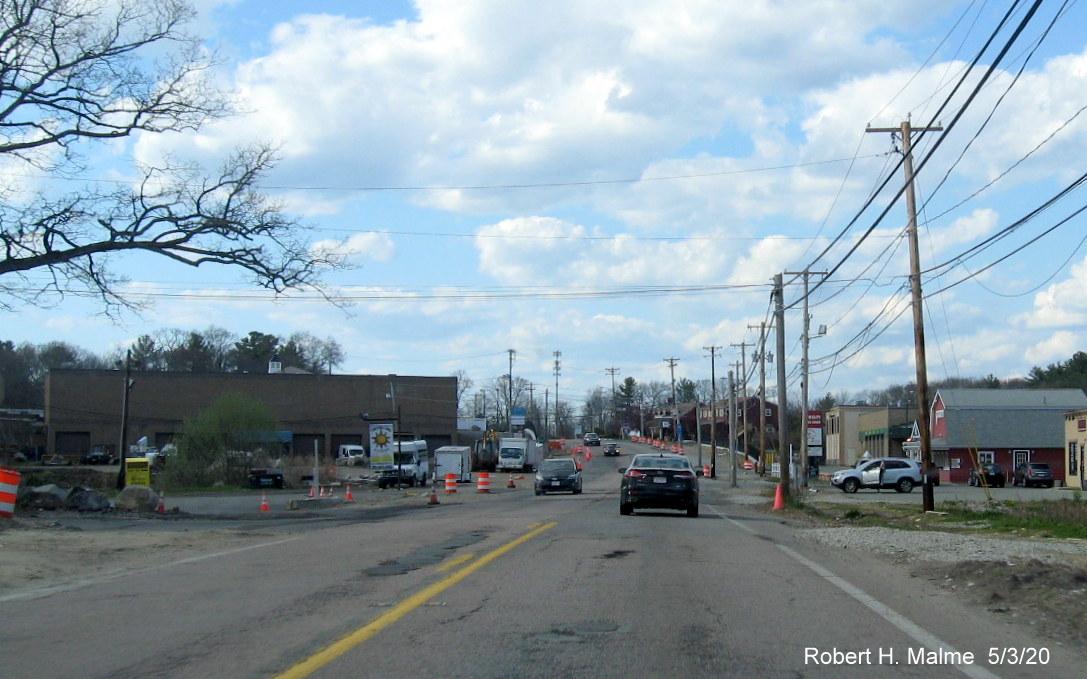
[1073, 458]
[1081, 424]
[986, 456]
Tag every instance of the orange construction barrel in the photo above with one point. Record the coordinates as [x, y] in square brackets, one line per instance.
[9, 491]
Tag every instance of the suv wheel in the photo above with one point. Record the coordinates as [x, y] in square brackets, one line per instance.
[850, 485]
[904, 485]
[625, 508]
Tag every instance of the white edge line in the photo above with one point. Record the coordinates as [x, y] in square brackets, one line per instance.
[890, 615]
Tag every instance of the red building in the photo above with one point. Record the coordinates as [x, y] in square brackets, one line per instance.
[1002, 426]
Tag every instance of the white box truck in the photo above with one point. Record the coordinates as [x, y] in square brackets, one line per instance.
[405, 462]
[456, 460]
[521, 453]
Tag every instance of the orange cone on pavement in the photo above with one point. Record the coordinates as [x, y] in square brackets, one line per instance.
[312, 490]
[264, 502]
[433, 500]
[779, 498]
[161, 509]
[348, 496]
[511, 484]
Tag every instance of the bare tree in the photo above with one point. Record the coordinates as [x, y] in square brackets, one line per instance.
[73, 72]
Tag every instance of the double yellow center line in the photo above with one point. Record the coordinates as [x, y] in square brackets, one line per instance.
[345, 644]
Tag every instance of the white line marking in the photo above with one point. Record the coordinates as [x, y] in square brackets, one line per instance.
[890, 615]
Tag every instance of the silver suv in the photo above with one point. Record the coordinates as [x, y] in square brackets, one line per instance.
[899, 473]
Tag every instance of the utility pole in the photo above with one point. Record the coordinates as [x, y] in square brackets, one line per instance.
[732, 424]
[675, 405]
[531, 400]
[557, 354]
[802, 481]
[612, 371]
[928, 499]
[743, 393]
[509, 399]
[547, 403]
[761, 357]
[785, 456]
[123, 443]
[713, 411]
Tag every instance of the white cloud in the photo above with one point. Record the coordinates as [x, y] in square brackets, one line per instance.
[1057, 347]
[375, 246]
[1062, 304]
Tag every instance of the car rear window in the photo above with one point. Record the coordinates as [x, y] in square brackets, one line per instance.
[650, 462]
[557, 465]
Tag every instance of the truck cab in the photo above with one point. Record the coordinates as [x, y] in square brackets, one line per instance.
[407, 464]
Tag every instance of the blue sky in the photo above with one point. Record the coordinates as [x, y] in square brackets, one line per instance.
[649, 166]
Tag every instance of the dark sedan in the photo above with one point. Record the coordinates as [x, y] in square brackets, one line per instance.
[988, 474]
[1030, 474]
[611, 450]
[558, 474]
[661, 481]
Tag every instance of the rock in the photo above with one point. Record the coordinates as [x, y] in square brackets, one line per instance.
[49, 496]
[83, 499]
[137, 499]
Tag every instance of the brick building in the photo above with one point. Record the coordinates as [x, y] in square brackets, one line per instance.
[83, 407]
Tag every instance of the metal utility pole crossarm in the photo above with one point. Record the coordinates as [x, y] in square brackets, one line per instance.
[929, 503]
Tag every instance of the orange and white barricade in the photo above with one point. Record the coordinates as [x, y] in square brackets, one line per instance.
[483, 483]
[9, 491]
[450, 483]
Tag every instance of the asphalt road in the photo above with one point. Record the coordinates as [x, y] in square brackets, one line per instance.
[513, 585]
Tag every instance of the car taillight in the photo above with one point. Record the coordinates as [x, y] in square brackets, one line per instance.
[685, 476]
[635, 474]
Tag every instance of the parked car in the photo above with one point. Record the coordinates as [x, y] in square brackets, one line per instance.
[659, 481]
[558, 473]
[989, 474]
[56, 461]
[612, 450]
[97, 456]
[899, 473]
[1033, 474]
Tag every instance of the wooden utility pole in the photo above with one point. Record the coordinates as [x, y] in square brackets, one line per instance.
[743, 392]
[675, 405]
[713, 410]
[785, 457]
[802, 481]
[928, 500]
[761, 467]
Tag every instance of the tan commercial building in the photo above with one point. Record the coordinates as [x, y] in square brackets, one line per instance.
[83, 408]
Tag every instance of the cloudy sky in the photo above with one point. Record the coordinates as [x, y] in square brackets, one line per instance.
[620, 181]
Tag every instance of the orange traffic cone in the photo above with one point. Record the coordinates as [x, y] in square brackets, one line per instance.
[779, 498]
[349, 497]
[433, 496]
[313, 491]
[511, 484]
[161, 509]
[264, 502]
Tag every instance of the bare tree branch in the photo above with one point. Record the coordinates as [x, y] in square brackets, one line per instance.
[73, 71]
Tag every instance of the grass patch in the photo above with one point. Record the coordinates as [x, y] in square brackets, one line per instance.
[1063, 519]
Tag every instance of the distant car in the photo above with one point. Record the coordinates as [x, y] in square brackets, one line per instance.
[899, 473]
[1033, 474]
[558, 474]
[56, 461]
[96, 457]
[659, 481]
[611, 450]
[591, 439]
[989, 474]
